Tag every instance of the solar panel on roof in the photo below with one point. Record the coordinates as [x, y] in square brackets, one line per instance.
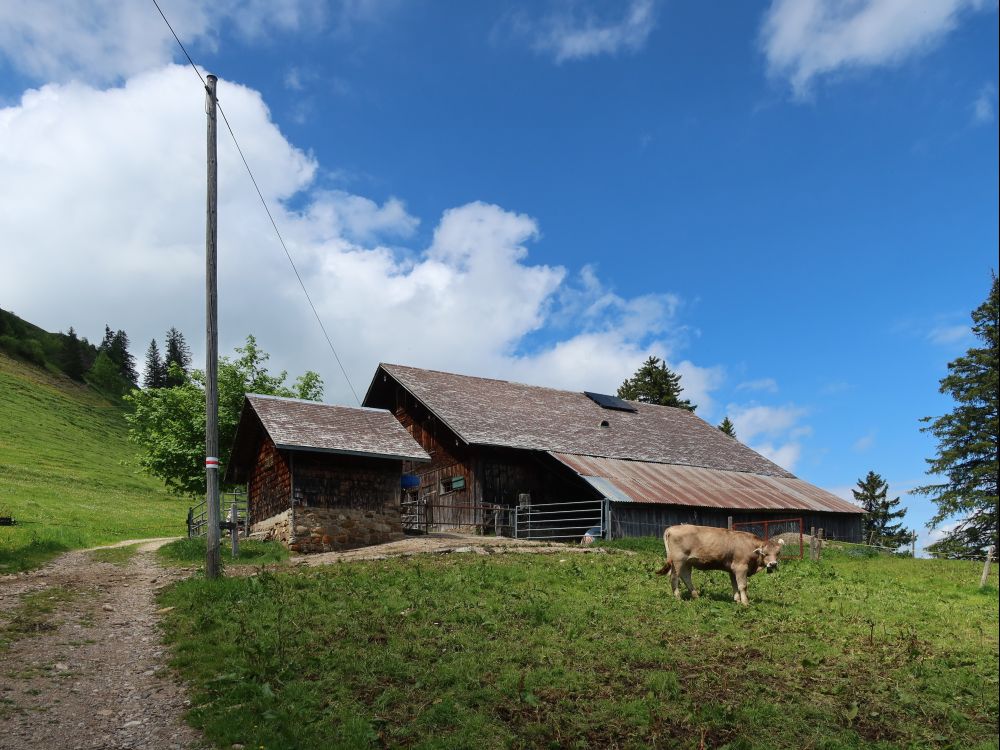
[610, 402]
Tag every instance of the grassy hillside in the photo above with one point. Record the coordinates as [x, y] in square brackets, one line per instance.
[589, 651]
[67, 472]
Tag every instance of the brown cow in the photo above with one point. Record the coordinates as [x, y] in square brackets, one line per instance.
[708, 548]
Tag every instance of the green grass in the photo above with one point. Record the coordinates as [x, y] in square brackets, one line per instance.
[186, 552]
[68, 475]
[590, 651]
[33, 615]
[120, 556]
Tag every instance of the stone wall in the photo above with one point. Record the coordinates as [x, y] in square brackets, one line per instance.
[329, 529]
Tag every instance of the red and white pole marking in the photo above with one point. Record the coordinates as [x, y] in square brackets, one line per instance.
[211, 462]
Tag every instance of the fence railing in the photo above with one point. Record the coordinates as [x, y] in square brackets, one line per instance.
[233, 511]
[789, 529]
[424, 515]
[570, 520]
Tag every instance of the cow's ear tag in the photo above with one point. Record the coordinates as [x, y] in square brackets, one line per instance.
[759, 551]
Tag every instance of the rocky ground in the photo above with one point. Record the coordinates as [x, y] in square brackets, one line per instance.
[92, 673]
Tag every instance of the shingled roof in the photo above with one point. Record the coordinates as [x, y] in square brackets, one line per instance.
[484, 411]
[294, 424]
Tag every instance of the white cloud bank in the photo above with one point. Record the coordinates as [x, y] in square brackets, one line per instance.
[773, 431]
[103, 41]
[576, 32]
[102, 214]
[805, 39]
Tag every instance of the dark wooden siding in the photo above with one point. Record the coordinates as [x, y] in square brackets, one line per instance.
[325, 480]
[269, 489]
[643, 519]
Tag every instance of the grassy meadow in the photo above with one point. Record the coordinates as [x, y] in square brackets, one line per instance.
[590, 651]
[67, 472]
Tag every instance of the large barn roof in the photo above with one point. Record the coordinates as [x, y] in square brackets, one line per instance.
[644, 482]
[294, 424]
[483, 411]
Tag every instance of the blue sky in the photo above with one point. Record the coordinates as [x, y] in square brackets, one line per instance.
[795, 203]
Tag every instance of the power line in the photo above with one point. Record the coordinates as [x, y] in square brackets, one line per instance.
[260, 195]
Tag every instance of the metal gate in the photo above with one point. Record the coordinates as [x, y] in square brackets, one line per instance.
[562, 521]
[789, 529]
[422, 515]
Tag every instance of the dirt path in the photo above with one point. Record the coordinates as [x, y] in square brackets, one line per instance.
[93, 673]
[444, 543]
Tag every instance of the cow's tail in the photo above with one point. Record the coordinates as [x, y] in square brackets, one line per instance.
[669, 564]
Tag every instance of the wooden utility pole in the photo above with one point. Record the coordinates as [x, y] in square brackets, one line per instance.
[212, 555]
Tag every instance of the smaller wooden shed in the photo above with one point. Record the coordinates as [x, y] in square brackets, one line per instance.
[320, 477]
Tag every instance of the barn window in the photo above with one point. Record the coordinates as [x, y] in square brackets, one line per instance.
[451, 484]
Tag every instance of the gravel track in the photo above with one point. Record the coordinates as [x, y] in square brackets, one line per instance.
[97, 677]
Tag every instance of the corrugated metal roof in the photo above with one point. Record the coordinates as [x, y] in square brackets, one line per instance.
[645, 482]
[308, 425]
[484, 411]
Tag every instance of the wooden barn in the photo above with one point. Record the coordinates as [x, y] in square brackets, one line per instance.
[321, 477]
[569, 461]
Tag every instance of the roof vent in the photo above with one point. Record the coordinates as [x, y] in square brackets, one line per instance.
[610, 402]
[605, 423]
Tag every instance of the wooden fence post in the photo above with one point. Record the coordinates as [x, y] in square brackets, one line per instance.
[986, 567]
[234, 532]
[812, 542]
[913, 545]
[819, 544]
[729, 523]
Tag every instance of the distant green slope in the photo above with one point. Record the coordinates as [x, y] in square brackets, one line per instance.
[68, 475]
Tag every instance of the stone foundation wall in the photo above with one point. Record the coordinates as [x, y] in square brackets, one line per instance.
[274, 529]
[330, 529]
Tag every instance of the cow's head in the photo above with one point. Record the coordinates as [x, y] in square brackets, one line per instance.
[768, 553]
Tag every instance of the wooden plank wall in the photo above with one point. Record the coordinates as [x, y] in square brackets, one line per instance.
[269, 488]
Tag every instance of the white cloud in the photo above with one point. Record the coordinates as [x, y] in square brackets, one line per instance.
[770, 385]
[945, 334]
[806, 39]
[102, 214]
[984, 109]
[774, 431]
[786, 455]
[578, 33]
[104, 41]
[864, 442]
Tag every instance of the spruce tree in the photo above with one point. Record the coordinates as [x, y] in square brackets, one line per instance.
[71, 357]
[119, 354]
[176, 352]
[967, 441]
[728, 427]
[155, 375]
[655, 383]
[873, 495]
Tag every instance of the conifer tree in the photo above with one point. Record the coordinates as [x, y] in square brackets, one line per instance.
[967, 441]
[120, 355]
[155, 375]
[176, 352]
[71, 357]
[655, 383]
[873, 495]
[728, 427]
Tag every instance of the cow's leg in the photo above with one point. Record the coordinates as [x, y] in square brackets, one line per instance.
[736, 588]
[741, 583]
[675, 575]
[686, 575]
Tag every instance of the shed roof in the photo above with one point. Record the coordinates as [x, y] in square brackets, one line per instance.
[670, 484]
[484, 411]
[295, 424]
